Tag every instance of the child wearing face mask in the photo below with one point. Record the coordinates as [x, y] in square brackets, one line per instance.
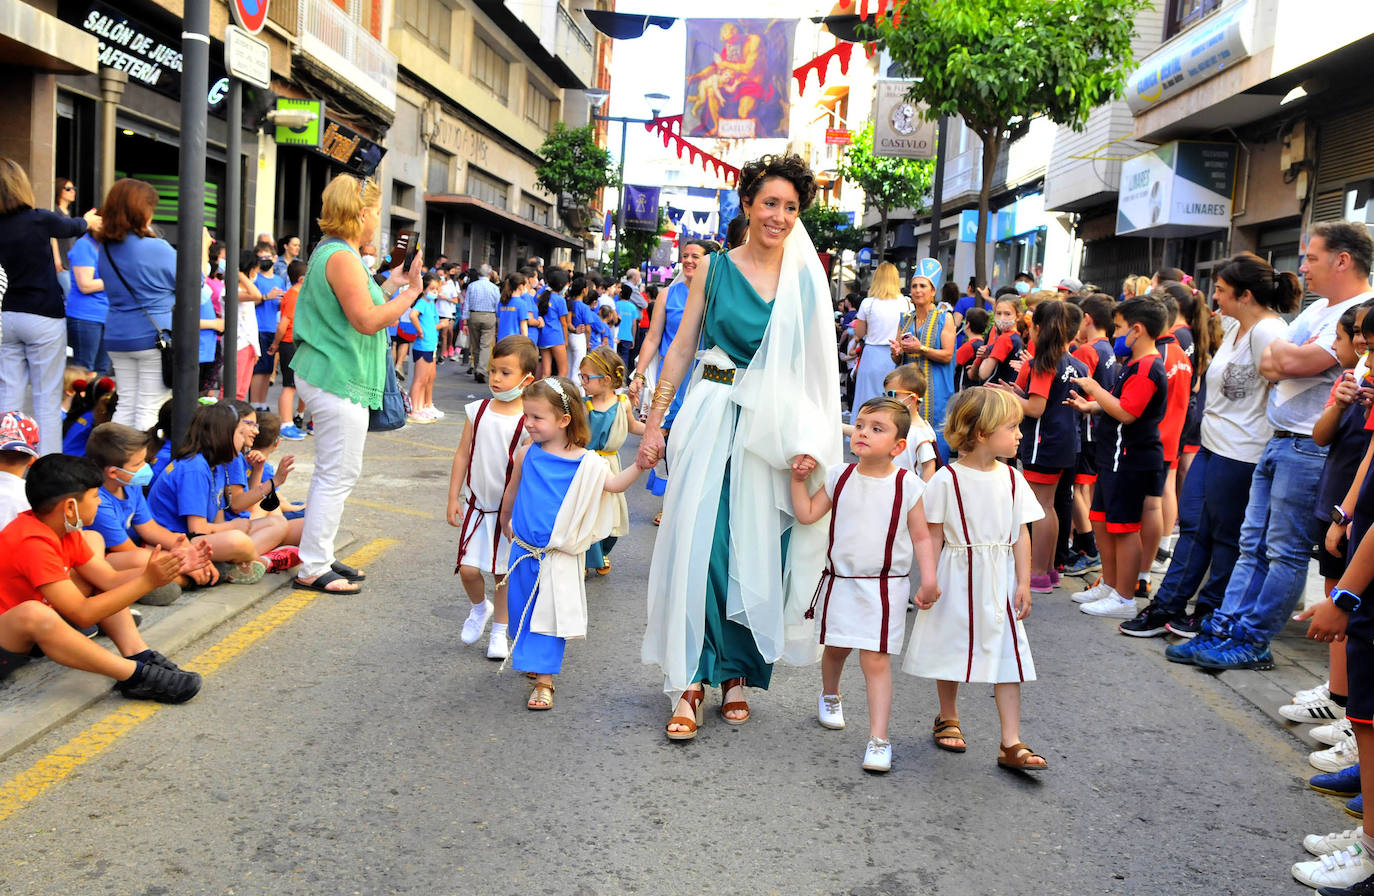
[482, 466]
[425, 315]
[996, 360]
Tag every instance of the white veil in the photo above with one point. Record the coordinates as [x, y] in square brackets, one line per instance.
[786, 403]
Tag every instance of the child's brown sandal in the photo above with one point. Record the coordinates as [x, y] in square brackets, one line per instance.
[1018, 756]
[948, 729]
[541, 698]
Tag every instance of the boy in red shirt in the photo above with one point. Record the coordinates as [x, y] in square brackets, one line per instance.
[41, 604]
[1161, 511]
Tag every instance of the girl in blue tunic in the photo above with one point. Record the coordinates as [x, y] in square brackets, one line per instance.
[556, 504]
[609, 420]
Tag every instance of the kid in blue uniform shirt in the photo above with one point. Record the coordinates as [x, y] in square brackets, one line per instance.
[86, 311]
[425, 315]
[272, 289]
[513, 314]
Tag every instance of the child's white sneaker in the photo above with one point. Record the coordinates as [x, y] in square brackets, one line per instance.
[1110, 605]
[829, 712]
[878, 755]
[1093, 592]
[498, 647]
[1340, 869]
[477, 622]
[1325, 844]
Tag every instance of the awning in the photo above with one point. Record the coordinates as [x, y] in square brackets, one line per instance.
[485, 211]
[32, 38]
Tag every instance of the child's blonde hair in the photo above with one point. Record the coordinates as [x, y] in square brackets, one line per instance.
[978, 412]
[71, 375]
[909, 377]
[561, 395]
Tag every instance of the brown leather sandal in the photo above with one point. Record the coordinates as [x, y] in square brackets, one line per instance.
[733, 705]
[1018, 756]
[541, 697]
[695, 699]
[948, 729]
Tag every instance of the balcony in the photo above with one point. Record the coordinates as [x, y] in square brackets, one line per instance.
[550, 37]
[332, 40]
[574, 48]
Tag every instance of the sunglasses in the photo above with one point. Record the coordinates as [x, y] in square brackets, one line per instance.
[896, 393]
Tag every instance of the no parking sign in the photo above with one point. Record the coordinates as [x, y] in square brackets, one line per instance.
[250, 15]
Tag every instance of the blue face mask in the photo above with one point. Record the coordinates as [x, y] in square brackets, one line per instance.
[1120, 346]
[219, 266]
[1022, 287]
[140, 479]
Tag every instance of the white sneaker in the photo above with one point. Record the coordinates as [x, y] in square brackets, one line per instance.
[878, 755]
[1338, 758]
[1313, 710]
[498, 647]
[1112, 606]
[435, 412]
[830, 712]
[1321, 690]
[1332, 734]
[1343, 868]
[1325, 844]
[476, 622]
[1094, 592]
[418, 417]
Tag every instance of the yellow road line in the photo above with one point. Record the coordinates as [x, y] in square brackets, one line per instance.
[392, 508]
[1274, 745]
[49, 771]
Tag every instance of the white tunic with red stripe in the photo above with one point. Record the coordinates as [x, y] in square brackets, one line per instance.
[494, 440]
[864, 589]
[972, 633]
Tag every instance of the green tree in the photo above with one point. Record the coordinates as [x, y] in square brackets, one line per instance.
[639, 245]
[576, 167]
[999, 63]
[830, 230]
[887, 183]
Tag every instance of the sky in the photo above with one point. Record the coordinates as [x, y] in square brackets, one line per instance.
[655, 63]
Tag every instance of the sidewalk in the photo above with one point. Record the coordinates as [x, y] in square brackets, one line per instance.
[42, 695]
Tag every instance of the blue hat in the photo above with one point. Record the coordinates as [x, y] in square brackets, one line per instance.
[930, 269]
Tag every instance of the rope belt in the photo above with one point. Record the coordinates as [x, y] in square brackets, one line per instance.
[827, 574]
[538, 554]
[718, 375]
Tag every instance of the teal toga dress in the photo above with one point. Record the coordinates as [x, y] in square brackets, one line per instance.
[735, 320]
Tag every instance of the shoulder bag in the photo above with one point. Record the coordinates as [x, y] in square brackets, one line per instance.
[164, 337]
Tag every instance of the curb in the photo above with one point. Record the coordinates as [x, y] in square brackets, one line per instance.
[42, 696]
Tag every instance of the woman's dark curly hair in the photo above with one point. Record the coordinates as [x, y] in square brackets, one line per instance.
[790, 168]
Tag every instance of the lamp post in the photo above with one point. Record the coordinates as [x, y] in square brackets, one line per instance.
[597, 98]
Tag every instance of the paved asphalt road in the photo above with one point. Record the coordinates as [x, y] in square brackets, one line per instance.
[359, 747]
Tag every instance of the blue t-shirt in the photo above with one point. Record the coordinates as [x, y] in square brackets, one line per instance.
[92, 306]
[164, 457]
[117, 517]
[428, 340]
[74, 441]
[208, 338]
[601, 333]
[270, 309]
[629, 313]
[149, 264]
[552, 334]
[582, 314]
[187, 487]
[508, 317]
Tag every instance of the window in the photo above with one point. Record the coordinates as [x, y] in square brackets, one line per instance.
[429, 20]
[538, 107]
[487, 188]
[534, 209]
[439, 165]
[490, 68]
[402, 194]
[1184, 14]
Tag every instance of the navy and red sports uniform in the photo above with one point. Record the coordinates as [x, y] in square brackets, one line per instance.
[963, 357]
[1359, 631]
[1100, 360]
[1049, 443]
[1005, 349]
[1179, 371]
[1130, 456]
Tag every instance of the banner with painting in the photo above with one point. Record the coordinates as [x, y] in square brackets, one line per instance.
[641, 208]
[738, 74]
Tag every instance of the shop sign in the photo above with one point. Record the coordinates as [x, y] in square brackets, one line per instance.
[349, 148]
[129, 46]
[838, 136]
[1194, 56]
[899, 131]
[307, 134]
[1022, 216]
[1178, 189]
[968, 225]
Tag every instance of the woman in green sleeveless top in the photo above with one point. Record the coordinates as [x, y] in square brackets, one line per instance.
[340, 364]
[732, 571]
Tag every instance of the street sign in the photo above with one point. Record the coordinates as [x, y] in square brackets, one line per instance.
[309, 133]
[838, 136]
[864, 255]
[247, 58]
[251, 15]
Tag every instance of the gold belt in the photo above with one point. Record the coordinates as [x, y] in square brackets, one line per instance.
[606, 453]
[718, 375]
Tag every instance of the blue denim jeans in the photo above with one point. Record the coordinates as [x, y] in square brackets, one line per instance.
[1210, 512]
[87, 341]
[1275, 542]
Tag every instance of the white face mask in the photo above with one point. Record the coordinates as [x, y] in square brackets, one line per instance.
[77, 526]
[1004, 326]
[510, 394]
[369, 260]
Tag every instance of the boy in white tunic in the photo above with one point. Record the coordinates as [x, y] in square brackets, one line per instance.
[978, 508]
[877, 525]
[482, 467]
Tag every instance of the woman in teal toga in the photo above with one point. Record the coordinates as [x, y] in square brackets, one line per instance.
[732, 571]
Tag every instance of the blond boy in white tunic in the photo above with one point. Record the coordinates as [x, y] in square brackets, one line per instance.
[877, 527]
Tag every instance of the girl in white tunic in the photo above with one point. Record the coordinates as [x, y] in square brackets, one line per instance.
[978, 509]
[482, 467]
[876, 527]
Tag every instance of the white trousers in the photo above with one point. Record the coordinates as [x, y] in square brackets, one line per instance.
[340, 434]
[33, 354]
[141, 392]
[577, 350]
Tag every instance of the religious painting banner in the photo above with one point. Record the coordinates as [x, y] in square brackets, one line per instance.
[738, 73]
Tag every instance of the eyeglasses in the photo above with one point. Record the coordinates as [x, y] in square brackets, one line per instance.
[588, 377]
[248, 423]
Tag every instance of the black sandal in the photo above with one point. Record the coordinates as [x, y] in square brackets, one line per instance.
[347, 571]
[323, 581]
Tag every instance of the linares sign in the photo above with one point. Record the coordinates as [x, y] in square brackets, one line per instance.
[1182, 188]
[899, 131]
[1219, 41]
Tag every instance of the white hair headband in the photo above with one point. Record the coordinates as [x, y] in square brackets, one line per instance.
[556, 386]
